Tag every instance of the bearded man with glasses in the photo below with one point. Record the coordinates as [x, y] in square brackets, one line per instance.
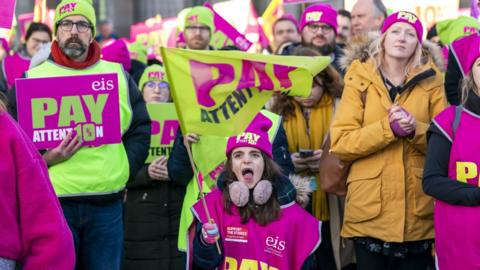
[318, 28]
[90, 181]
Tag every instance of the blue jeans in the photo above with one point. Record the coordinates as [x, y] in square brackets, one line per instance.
[97, 232]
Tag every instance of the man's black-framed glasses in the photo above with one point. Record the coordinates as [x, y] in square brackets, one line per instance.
[314, 27]
[197, 28]
[67, 26]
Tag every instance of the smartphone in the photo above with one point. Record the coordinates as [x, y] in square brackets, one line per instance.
[304, 153]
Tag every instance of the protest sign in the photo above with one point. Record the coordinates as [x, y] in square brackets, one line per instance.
[164, 129]
[225, 34]
[6, 13]
[87, 105]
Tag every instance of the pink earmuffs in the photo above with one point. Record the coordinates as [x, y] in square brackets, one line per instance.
[240, 194]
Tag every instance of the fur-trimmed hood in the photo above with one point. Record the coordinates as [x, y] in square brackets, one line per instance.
[357, 49]
[302, 186]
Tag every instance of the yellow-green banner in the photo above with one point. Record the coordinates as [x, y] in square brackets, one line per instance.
[220, 92]
[164, 129]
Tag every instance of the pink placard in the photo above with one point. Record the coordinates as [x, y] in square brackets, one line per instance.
[142, 28]
[155, 35]
[24, 21]
[88, 105]
[238, 39]
[6, 13]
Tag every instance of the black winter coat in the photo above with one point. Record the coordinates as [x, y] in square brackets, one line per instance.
[152, 217]
[453, 78]
[136, 71]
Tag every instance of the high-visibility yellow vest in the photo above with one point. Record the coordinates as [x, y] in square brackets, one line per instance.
[92, 170]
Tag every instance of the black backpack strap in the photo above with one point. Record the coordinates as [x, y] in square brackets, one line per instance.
[456, 120]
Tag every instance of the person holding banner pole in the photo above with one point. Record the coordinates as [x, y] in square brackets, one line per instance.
[198, 29]
[246, 217]
[90, 181]
[154, 203]
[197, 20]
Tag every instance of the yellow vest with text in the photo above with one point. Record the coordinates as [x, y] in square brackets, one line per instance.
[98, 170]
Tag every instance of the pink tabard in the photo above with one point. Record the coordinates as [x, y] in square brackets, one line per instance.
[283, 244]
[13, 68]
[457, 237]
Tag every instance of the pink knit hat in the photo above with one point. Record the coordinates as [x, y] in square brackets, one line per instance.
[320, 13]
[466, 51]
[406, 17]
[287, 17]
[117, 51]
[256, 135]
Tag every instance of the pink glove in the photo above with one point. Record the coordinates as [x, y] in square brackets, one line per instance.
[395, 126]
[210, 233]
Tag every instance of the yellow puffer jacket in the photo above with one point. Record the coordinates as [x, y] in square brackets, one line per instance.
[385, 199]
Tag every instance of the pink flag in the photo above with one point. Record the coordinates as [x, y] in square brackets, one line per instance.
[474, 12]
[24, 20]
[221, 25]
[255, 28]
[6, 13]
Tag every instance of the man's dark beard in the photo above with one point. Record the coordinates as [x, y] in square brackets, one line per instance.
[324, 50]
[74, 52]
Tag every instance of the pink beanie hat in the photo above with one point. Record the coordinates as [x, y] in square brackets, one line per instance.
[256, 135]
[287, 17]
[406, 17]
[466, 51]
[117, 51]
[320, 13]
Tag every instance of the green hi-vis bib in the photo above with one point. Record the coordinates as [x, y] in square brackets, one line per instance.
[209, 154]
[92, 170]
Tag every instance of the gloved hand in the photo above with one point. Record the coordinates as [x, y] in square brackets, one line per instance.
[402, 122]
[210, 233]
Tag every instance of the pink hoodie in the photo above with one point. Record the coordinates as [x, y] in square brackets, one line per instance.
[33, 229]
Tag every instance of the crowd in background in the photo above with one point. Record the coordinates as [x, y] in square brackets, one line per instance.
[399, 110]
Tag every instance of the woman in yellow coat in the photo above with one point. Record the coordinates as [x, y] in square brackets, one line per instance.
[389, 99]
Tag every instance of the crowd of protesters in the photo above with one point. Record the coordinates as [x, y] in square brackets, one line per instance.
[399, 109]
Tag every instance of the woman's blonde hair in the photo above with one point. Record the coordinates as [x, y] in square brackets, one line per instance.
[468, 83]
[3, 102]
[376, 51]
